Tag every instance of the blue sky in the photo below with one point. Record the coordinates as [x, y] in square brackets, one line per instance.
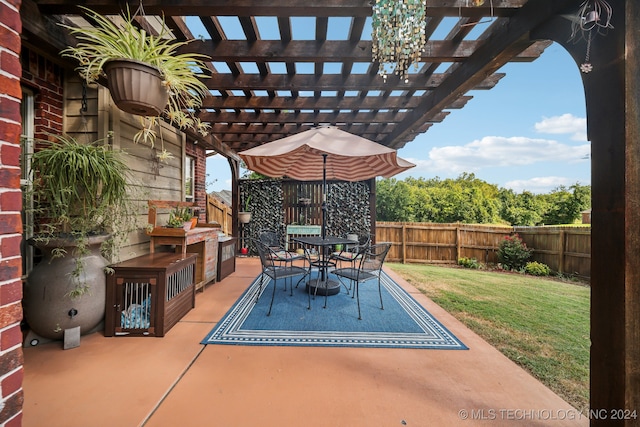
[527, 133]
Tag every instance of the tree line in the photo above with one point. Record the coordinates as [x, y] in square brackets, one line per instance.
[468, 199]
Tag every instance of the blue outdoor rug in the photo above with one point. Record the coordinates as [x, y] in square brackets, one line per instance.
[402, 324]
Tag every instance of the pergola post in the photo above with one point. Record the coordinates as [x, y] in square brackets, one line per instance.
[613, 120]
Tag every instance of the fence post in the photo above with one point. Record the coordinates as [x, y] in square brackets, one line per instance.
[404, 243]
[458, 244]
[561, 251]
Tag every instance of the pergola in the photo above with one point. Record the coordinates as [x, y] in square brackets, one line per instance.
[259, 94]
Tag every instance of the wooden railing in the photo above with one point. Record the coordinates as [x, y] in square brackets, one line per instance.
[220, 213]
[565, 250]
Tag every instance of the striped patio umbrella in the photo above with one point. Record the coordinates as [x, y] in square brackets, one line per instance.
[324, 153]
[348, 157]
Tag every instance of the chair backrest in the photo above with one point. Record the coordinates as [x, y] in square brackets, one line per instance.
[265, 255]
[373, 257]
[362, 242]
[270, 238]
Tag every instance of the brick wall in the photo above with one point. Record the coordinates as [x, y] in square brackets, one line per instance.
[200, 156]
[11, 359]
[46, 80]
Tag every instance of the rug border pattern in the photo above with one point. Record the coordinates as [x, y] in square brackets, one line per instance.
[434, 336]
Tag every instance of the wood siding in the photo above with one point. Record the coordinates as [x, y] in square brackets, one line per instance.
[150, 178]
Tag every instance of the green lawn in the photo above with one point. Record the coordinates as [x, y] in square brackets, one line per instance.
[541, 324]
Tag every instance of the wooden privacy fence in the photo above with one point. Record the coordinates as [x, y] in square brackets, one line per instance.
[565, 250]
[219, 212]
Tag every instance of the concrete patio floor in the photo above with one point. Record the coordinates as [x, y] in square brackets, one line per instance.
[176, 381]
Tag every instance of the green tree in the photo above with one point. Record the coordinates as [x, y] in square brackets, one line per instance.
[394, 201]
[525, 208]
[565, 204]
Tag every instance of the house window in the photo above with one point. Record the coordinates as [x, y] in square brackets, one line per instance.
[189, 172]
[27, 111]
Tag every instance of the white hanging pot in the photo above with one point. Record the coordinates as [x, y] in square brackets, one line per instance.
[244, 217]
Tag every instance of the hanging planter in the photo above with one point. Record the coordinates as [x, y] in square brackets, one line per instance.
[177, 90]
[244, 217]
[136, 87]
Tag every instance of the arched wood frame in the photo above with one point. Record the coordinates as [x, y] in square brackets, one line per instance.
[613, 120]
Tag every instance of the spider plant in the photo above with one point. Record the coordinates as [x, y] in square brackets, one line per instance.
[80, 191]
[181, 73]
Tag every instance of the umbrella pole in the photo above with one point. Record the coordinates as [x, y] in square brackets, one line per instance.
[324, 195]
[324, 213]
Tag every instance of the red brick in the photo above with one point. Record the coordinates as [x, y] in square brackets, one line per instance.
[10, 132]
[11, 200]
[10, 338]
[9, 178]
[10, 39]
[9, 315]
[10, 268]
[15, 422]
[11, 292]
[10, 223]
[12, 406]
[10, 246]
[10, 63]
[11, 361]
[9, 108]
[10, 155]
[11, 87]
[10, 17]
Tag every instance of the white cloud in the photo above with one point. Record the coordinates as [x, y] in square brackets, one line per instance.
[566, 124]
[496, 151]
[544, 184]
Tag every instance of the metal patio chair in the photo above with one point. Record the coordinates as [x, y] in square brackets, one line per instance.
[369, 266]
[276, 270]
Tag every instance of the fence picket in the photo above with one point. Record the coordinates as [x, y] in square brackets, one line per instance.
[565, 250]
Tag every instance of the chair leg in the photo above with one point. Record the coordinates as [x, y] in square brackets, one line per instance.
[259, 292]
[273, 294]
[357, 291]
[326, 288]
[380, 293]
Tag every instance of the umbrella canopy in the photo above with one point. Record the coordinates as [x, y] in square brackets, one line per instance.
[348, 157]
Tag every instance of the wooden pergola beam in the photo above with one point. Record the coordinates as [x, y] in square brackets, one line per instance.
[335, 50]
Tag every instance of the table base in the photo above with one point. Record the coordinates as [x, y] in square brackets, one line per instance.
[324, 287]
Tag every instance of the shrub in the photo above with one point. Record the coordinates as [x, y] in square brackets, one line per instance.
[469, 263]
[513, 253]
[536, 268]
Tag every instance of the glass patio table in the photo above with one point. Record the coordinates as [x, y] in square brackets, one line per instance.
[322, 285]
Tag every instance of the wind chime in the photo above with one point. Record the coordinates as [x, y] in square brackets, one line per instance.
[398, 35]
[593, 16]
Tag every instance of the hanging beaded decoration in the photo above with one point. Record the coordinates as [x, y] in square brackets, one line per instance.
[398, 35]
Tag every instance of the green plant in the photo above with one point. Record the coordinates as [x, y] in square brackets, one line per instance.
[513, 253]
[179, 215]
[108, 41]
[80, 190]
[536, 268]
[247, 202]
[469, 263]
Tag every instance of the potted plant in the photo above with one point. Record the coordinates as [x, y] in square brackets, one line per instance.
[145, 75]
[245, 216]
[83, 211]
[180, 217]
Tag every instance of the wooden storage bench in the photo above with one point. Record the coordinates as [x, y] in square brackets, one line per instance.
[148, 295]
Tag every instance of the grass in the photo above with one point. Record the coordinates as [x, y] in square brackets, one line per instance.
[540, 324]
